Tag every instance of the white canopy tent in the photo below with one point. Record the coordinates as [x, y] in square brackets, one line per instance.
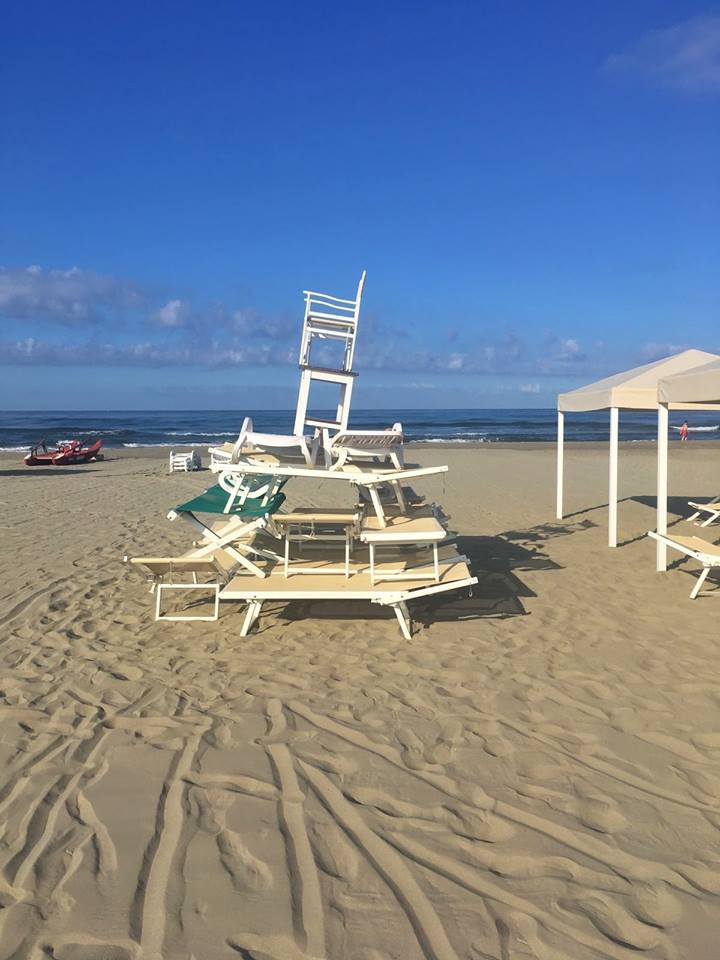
[698, 388]
[635, 389]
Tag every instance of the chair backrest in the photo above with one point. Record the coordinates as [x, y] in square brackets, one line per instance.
[245, 429]
[347, 311]
[358, 298]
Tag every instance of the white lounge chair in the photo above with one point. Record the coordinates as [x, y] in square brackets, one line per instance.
[366, 445]
[706, 553]
[712, 509]
[454, 575]
[249, 440]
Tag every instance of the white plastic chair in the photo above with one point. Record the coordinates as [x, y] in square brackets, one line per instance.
[366, 445]
[184, 461]
[264, 442]
[331, 318]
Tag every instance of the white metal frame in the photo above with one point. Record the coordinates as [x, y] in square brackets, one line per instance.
[407, 573]
[346, 537]
[254, 595]
[712, 508]
[214, 588]
[230, 541]
[708, 560]
[612, 472]
[370, 480]
[662, 487]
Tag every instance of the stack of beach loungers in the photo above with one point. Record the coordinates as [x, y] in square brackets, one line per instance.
[387, 546]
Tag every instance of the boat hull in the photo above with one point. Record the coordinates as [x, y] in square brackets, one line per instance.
[72, 453]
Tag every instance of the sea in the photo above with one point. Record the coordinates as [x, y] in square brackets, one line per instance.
[184, 428]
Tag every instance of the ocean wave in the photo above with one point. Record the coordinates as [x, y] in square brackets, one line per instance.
[195, 433]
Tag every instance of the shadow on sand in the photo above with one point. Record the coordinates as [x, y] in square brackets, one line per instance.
[47, 471]
[498, 594]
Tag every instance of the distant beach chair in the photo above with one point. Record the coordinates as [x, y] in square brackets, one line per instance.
[712, 508]
[249, 440]
[184, 461]
[367, 445]
[706, 553]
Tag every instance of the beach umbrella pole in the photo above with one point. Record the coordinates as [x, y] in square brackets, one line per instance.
[560, 464]
[662, 485]
[613, 477]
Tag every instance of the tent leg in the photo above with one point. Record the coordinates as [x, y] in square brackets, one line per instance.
[613, 478]
[560, 464]
[662, 485]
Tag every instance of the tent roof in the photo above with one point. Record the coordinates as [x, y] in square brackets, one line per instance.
[637, 389]
[699, 385]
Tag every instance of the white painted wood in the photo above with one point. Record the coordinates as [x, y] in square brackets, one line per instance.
[331, 318]
[613, 477]
[560, 464]
[662, 486]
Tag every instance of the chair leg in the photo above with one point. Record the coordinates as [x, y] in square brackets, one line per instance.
[403, 617]
[377, 504]
[700, 581]
[251, 615]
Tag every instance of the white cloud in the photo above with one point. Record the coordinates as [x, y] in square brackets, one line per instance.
[175, 313]
[685, 56]
[33, 352]
[71, 297]
[529, 388]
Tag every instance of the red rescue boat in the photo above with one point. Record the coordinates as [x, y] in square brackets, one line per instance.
[65, 452]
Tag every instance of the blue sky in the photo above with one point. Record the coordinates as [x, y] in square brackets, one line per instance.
[532, 187]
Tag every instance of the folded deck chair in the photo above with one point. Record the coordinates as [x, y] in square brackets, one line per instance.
[713, 509]
[706, 553]
[367, 445]
[163, 573]
[235, 540]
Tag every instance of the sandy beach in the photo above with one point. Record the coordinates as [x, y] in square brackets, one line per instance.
[536, 774]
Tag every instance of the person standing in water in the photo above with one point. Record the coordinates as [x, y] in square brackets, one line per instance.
[684, 431]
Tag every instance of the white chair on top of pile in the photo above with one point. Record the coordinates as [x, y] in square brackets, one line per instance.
[335, 321]
[222, 457]
[366, 445]
[331, 318]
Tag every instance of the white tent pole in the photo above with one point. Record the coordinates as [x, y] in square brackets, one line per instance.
[613, 479]
[560, 463]
[662, 484]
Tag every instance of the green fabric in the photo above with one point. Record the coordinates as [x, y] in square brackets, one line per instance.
[214, 500]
